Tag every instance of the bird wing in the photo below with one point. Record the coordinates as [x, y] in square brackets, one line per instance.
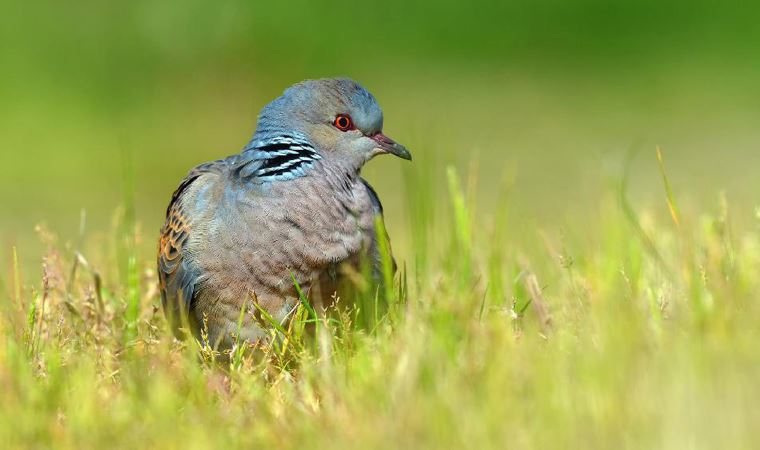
[176, 275]
[378, 208]
[375, 199]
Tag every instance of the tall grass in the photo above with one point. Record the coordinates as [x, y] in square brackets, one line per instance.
[645, 337]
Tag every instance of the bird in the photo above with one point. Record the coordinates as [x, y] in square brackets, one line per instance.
[291, 206]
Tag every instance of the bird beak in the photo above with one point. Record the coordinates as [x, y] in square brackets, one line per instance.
[388, 145]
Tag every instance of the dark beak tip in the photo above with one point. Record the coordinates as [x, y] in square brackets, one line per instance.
[400, 151]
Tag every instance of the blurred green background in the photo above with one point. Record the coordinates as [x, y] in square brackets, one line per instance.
[552, 93]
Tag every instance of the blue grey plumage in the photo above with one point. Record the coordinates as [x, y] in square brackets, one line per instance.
[292, 203]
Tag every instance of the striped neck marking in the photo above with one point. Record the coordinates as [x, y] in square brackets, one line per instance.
[282, 158]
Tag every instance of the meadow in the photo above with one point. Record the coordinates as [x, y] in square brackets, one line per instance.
[578, 235]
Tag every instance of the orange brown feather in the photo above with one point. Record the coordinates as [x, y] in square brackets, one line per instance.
[176, 276]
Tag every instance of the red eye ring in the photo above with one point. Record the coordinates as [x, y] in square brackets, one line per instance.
[343, 122]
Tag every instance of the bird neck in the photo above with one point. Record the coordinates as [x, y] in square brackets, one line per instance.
[279, 155]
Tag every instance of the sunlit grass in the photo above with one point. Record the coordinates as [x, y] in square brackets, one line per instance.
[551, 292]
[644, 337]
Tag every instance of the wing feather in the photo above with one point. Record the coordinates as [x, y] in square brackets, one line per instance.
[176, 275]
[378, 207]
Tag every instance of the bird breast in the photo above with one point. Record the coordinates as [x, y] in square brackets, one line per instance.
[258, 239]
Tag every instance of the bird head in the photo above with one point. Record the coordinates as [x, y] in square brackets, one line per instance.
[340, 118]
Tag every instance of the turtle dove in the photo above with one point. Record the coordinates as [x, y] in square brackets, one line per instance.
[290, 205]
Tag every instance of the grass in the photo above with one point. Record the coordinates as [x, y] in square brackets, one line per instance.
[644, 337]
[546, 296]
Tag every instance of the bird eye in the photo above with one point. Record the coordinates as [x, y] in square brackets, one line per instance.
[343, 123]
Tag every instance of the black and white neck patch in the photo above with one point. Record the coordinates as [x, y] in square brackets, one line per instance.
[278, 158]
